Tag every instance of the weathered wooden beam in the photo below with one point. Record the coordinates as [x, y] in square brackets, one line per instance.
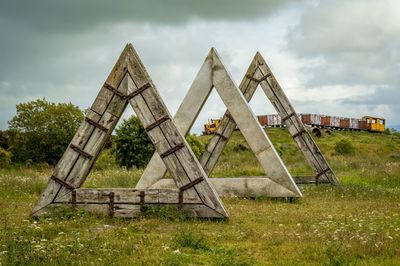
[129, 196]
[243, 187]
[121, 210]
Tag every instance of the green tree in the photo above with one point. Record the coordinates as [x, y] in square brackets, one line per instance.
[132, 145]
[41, 130]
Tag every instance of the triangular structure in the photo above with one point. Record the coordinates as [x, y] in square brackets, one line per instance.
[130, 83]
[277, 182]
[259, 73]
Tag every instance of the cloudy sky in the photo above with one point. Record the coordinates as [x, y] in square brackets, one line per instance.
[331, 57]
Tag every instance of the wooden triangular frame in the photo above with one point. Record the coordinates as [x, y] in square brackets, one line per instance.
[130, 83]
[277, 183]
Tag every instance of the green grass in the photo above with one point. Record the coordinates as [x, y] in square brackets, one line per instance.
[358, 224]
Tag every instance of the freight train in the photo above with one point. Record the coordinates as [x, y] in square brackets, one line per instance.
[366, 123]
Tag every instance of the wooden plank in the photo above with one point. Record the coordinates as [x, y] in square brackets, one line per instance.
[243, 187]
[132, 211]
[129, 196]
[157, 136]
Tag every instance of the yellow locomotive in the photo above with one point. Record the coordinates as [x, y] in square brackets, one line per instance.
[211, 126]
[375, 124]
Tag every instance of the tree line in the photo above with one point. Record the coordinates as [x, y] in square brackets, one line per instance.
[41, 131]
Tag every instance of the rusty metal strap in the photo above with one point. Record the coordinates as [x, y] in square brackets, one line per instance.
[95, 124]
[111, 203]
[221, 136]
[138, 91]
[80, 151]
[114, 90]
[322, 173]
[229, 116]
[142, 197]
[298, 133]
[63, 183]
[157, 123]
[258, 80]
[186, 187]
[73, 198]
[191, 184]
[172, 150]
[288, 116]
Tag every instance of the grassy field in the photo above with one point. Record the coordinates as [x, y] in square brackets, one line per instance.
[358, 224]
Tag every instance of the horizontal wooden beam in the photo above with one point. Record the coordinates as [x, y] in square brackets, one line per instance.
[243, 187]
[127, 196]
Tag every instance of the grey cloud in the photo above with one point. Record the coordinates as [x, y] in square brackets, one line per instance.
[57, 48]
[75, 15]
[381, 96]
[356, 42]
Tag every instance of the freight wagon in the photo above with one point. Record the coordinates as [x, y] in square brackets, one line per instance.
[366, 123]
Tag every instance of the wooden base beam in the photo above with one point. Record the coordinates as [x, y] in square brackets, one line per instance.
[242, 187]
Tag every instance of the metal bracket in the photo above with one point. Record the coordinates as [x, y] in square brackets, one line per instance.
[114, 90]
[142, 197]
[258, 80]
[172, 150]
[63, 183]
[229, 116]
[298, 133]
[320, 174]
[80, 151]
[288, 116]
[95, 124]
[186, 187]
[157, 123]
[73, 198]
[191, 184]
[138, 91]
[111, 195]
[221, 136]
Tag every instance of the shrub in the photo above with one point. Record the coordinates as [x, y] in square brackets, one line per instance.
[132, 145]
[241, 147]
[195, 144]
[41, 131]
[106, 160]
[5, 158]
[190, 240]
[344, 147]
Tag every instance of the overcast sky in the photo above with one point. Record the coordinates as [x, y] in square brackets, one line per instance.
[331, 57]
